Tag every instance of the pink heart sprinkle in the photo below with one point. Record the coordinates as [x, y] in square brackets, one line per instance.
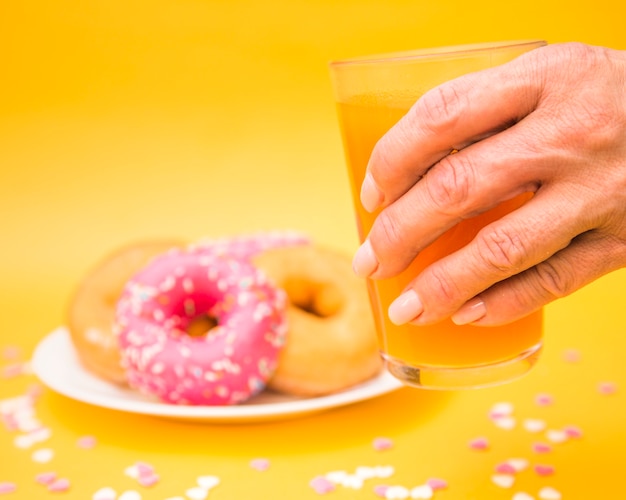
[148, 480]
[321, 485]
[544, 399]
[260, 464]
[541, 448]
[86, 442]
[572, 355]
[505, 468]
[437, 484]
[544, 470]
[479, 443]
[59, 485]
[382, 443]
[573, 432]
[381, 490]
[46, 478]
[7, 487]
[144, 469]
[607, 388]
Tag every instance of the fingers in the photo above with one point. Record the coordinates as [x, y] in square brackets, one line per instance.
[458, 187]
[502, 249]
[451, 116]
[565, 272]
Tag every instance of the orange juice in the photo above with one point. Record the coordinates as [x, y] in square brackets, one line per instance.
[442, 355]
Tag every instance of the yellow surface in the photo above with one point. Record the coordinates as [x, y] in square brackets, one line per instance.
[121, 120]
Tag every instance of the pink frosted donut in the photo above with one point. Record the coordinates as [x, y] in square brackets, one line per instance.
[247, 246]
[227, 365]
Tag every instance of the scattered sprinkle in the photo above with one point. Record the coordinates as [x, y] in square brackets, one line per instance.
[321, 485]
[549, 493]
[607, 388]
[503, 480]
[106, 493]
[382, 444]
[534, 425]
[522, 496]
[572, 356]
[479, 443]
[197, 493]
[505, 468]
[7, 487]
[86, 442]
[260, 464]
[556, 436]
[59, 485]
[46, 478]
[437, 484]
[43, 455]
[207, 482]
[541, 448]
[544, 470]
[130, 495]
[544, 399]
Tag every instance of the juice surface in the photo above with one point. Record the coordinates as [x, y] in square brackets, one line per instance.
[443, 344]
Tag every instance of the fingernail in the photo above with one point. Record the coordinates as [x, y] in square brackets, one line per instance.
[471, 311]
[371, 196]
[365, 261]
[405, 308]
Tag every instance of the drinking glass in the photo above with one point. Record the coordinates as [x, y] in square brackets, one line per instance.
[373, 93]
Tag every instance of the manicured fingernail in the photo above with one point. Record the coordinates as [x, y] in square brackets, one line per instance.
[371, 196]
[405, 308]
[365, 261]
[471, 311]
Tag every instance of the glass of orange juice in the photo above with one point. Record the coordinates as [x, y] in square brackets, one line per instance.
[373, 93]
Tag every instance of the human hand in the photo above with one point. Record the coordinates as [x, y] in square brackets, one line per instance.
[551, 122]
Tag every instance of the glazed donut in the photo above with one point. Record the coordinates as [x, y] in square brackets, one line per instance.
[331, 342]
[228, 364]
[91, 308]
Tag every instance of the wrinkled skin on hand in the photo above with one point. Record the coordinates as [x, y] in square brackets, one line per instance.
[551, 122]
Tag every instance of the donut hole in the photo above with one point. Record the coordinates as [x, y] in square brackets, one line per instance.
[201, 325]
[317, 298]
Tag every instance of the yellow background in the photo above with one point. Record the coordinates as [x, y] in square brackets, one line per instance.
[123, 120]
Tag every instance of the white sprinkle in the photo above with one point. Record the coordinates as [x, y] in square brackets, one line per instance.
[130, 495]
[548, 493]
[422, 492]
[208, 482]
[501, 409]
[197, 493]
[534, 425]
[522, 496]
[506, 423]
[397, 492]
[43, 455]
[556, 436]
[105, 494]
[519, 464]
[503, 480]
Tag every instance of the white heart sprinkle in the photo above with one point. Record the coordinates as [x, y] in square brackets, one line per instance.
[548, 493]
[422, 492]
[104, 494]
[502, 409]
[503, 480]
[519, 464]
[365, 472]
[506, 423]
[397, 493]
[384, 471]
[132, 471]
[337, 476]
[197, 493]
[43, 455]
[534, 425]
[208, 482]
[130, 495]
[556, 436]
[523, 496]
[352, 481]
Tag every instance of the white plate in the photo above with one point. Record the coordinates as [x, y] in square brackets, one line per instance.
[56, 363]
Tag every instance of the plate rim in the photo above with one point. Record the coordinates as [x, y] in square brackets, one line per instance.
[59, 338]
